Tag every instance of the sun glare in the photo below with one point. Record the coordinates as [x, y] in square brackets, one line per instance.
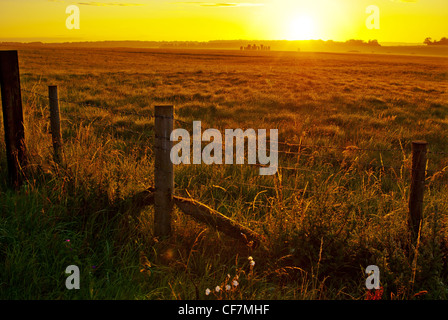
[301, 28]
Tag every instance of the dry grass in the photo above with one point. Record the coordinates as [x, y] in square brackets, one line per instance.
[348, 210]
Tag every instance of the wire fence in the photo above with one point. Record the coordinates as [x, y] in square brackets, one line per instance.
[347, 155]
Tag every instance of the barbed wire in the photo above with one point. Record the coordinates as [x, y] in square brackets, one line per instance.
[285, 143]
[346, 148]
[309, 146]
[305, 190]
[281, 187]
[346, 162]
[346, 157]
[349, 164]
[440, 153]
[436, 202]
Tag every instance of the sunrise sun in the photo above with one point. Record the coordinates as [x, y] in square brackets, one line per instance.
[301, 28]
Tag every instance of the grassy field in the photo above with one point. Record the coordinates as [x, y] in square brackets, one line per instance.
[344, 208]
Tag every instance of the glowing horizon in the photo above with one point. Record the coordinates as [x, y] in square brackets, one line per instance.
[168, 20]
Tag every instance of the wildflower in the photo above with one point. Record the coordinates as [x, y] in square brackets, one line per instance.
[67, 245]
[250, 258]
[218, 288]
[228, 275]
[235, 283]
[375, 294]
[252, 263]
[228, 287]
[207, 291]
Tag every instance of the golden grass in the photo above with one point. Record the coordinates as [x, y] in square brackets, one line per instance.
[345, 209]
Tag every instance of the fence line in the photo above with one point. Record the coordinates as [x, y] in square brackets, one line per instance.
[300, 146]
[285, 143]
[163, 193]
[349, 163]
[441, 153]
[347, 148]
[281, 188]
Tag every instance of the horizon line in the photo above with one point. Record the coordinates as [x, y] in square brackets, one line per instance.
[195, 41]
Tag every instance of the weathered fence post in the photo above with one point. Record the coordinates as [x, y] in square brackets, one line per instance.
[164, 170]
[417, 186]
[12, 116]
[55, 123]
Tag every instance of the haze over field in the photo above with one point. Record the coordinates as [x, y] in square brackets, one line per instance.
[408, 21]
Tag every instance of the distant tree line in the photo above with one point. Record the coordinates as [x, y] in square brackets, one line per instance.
[442, 42]
[362, 43]
[251, 45]
[254, 47]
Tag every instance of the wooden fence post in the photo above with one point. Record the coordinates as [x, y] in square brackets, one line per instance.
[164, 170]
[417, 186]
[12, 116]
[55, 123]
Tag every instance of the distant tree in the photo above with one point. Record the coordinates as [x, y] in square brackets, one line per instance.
[441, 42]
[428, 41]
[355, 42]
[373, 43]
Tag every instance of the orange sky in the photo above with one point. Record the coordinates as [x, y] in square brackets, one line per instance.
[400, 20]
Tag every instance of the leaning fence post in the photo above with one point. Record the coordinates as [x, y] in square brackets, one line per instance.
[163, 172]
[55, 123]
[418, 175]
[12, 116]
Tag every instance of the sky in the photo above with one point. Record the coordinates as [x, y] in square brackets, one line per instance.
[175, 20]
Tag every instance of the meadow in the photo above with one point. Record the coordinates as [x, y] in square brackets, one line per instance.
[338, 203]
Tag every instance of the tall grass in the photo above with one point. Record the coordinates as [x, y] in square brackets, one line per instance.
[324, 223]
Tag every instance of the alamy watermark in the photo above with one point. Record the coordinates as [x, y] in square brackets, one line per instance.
[72, 21]
[72, 281]
[213, 152]
[373, 20]
[373, 280]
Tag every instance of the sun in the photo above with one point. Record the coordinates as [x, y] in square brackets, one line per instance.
[301, 28]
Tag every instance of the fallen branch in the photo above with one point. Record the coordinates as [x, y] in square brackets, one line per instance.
[138, 202]
[199, 212]
[213, 218]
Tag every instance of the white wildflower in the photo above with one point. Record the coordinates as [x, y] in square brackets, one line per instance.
[228, 287]
[218, 288]
[252, 263]
[235, 283]
[207, 291]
